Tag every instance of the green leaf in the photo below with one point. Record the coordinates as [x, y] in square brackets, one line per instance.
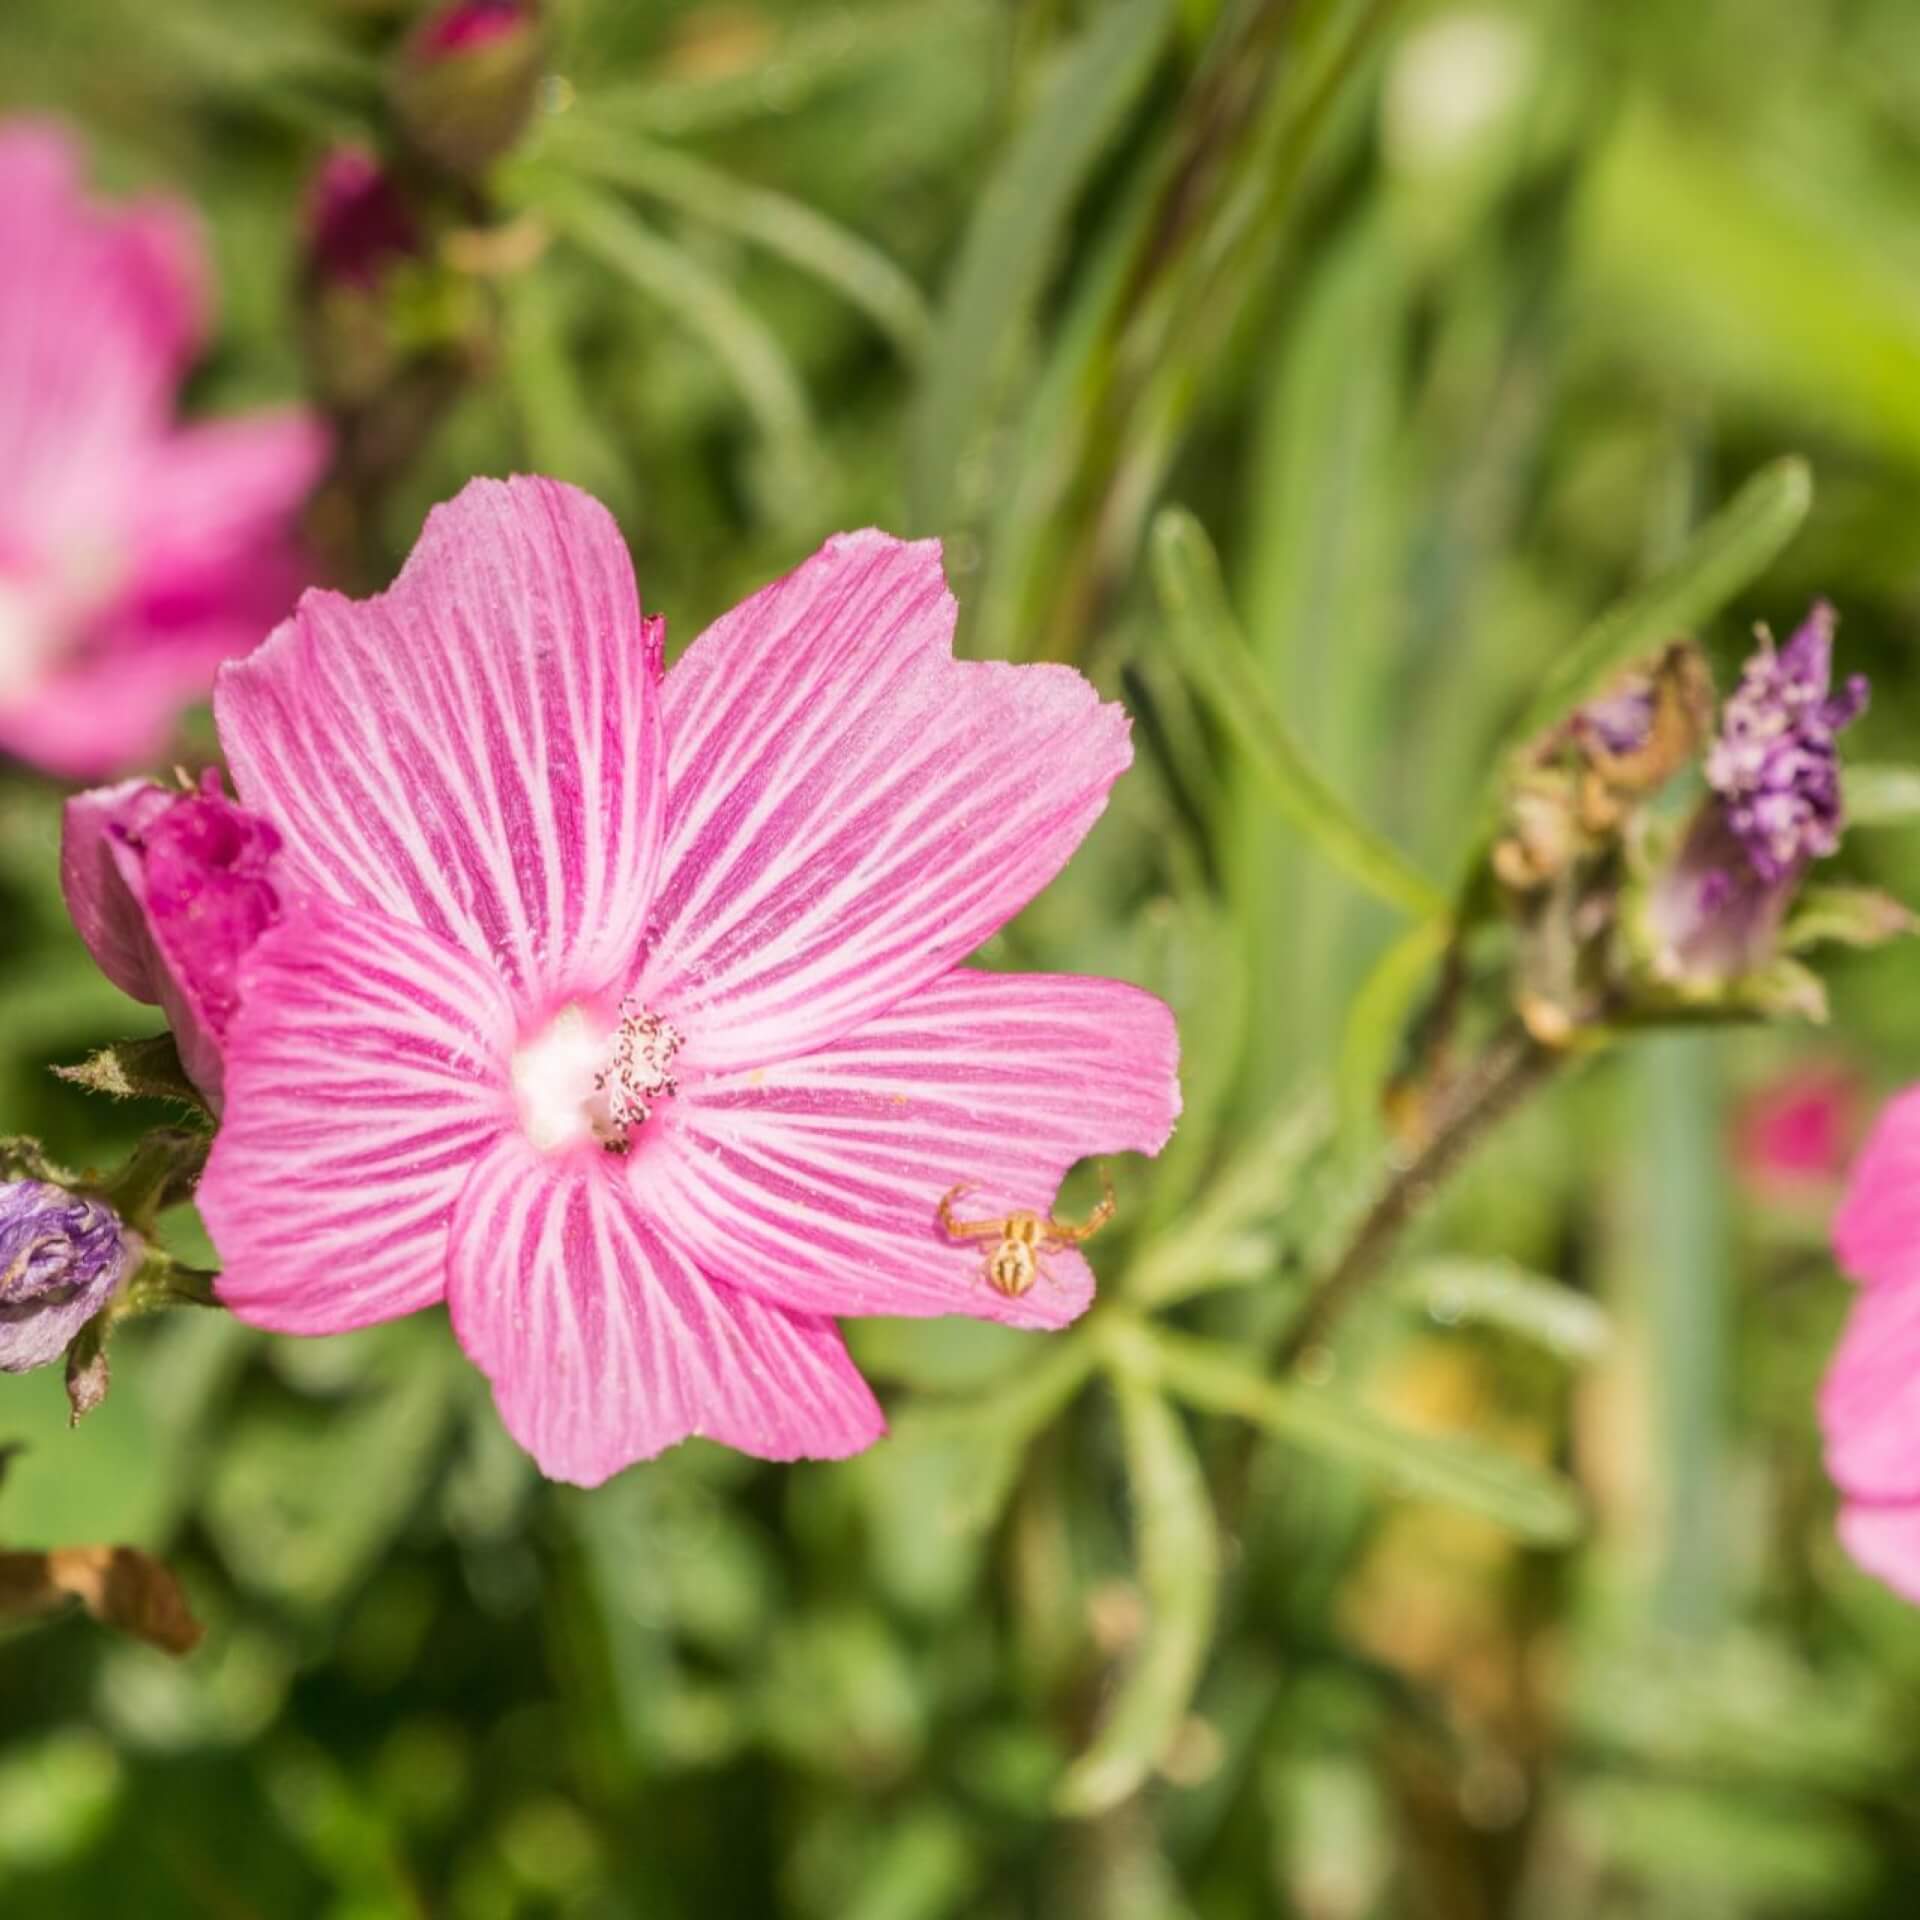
[137, 1070]
[959, 1458]
[1730, 552]
[784, 226]
[1845, 917]
[1537, 1505]
[1496, 1293]
[1179, 1556]
[1015, 235]
[709, 309]
[1215, 654]
[1881, 796]
[1377, 1018]
[1217, 1243]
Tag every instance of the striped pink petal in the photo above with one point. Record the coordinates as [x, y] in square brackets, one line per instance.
[605, 1345]
[817, 1181]
[1885, 1540]
[851, 810]
[1870, 1400]
[476, 751]
[365, 1074]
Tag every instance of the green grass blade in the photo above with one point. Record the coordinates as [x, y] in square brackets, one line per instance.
[1215, 654]
[711, 311]
[1731, 551]
[786, 227]
[1015, 234]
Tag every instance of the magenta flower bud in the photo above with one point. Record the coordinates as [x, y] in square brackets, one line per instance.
[61, 1257]
[170, 890]
[358, 222]
[468, 80]
[1775, 807]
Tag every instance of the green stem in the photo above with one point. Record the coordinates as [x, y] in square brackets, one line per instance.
[1510, 1069]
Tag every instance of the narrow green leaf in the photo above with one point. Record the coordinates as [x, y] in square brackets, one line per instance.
[1496, 1293]
[710, 310]
[784, 226]
[1731, 551]
[1215, 654]
[1881, 796]
[1534, 1503]
[968, 1451]
[1217, 1242]
[1844, 917]
[1179, 1556]
[1015, 233]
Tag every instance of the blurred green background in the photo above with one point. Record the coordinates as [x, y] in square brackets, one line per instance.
[1448, 322]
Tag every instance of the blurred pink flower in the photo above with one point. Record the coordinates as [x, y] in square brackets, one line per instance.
[1870, 1405]
[1793, 1135]
[135, 553]
[622, 1011]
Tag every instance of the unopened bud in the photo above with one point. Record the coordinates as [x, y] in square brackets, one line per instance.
[358, 223]
[170, 890]
[61, 1259]
[468, 81]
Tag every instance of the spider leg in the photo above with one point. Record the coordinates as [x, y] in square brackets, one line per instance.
[1069, 1233]
[967, 1229]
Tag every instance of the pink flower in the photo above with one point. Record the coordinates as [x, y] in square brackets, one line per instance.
[1870, 1405]
[622, 1011]
[135, 553]
[1793, 1135]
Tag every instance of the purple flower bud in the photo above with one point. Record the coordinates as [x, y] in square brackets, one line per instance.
[1775, 805]
[1620, 722]
[61, 1257]
[358, 223]
[170, 890]
[1774, 765]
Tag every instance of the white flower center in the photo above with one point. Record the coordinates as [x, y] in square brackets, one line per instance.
[577, 1080]
[29, 638]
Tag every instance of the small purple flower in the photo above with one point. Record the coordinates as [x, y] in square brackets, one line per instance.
[1775, 807]
[61, 1257]
[1774, 765]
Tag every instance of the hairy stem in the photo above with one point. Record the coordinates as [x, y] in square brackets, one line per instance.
[1510, 1069]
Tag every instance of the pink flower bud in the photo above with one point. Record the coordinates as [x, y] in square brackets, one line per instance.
[468, 80]
[170, 890]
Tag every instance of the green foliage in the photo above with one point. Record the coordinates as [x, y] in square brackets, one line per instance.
[1352, 388]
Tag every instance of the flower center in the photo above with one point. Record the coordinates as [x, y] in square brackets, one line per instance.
[577, 1081]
